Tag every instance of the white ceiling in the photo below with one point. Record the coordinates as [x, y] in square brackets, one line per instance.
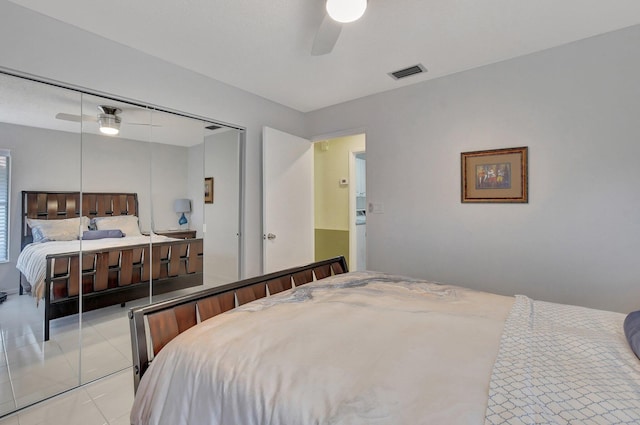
[263, 46]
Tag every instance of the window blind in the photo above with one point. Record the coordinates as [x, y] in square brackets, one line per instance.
[5, 185]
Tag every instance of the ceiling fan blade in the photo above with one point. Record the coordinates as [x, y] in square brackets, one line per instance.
[142, 123]
[75, 118]
[326, 37]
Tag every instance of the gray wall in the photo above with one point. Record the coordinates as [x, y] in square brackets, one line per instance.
[35, 44]
[217, 157]
[576, 108]
[221, 217]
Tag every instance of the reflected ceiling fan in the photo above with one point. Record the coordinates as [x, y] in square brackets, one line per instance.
[338, 12]
[108, 119]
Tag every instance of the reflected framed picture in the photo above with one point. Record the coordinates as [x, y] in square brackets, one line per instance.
[208, 190]
[498, 175]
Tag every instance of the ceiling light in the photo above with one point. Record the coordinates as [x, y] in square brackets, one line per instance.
[108, 121]
[346, 11]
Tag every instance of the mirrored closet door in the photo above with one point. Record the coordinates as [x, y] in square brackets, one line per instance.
[115, 194]
[44, 156]
[221, 153]
[116, 199]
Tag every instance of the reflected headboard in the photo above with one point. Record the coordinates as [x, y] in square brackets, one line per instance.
[59, 205]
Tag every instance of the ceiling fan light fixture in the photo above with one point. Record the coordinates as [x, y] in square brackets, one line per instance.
[345, 11]
[109, 124]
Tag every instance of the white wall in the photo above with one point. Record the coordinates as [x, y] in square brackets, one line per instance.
[169, 181]
[50, 160]
[218, 157]
[576, 108]
[195, 178]
[32, 43]
[221, 217]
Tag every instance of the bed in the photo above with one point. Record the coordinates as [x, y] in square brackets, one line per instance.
[372, 348]
[116, 265]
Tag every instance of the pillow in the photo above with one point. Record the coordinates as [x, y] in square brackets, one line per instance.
[632, 331]
[128, 224]
[101, 234]
[67, 229]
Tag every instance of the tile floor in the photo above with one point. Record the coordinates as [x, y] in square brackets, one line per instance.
[106, 401]
[32, 370]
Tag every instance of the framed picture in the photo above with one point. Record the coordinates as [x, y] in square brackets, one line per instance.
[498, 175]
[208, 190]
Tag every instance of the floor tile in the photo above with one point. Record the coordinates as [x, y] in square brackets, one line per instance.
[30, 391]
[122, 420]
[9, 420]
[37, 353]
[113, 395]
[4, 374]
[123, 345]
[112, 327]
[96, 345]
[71, 340]
[6, 393]
[73, 408]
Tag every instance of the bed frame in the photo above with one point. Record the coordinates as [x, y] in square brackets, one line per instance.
[109, 276]
[154, 325]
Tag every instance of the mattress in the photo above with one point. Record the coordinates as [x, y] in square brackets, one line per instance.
[370, 348]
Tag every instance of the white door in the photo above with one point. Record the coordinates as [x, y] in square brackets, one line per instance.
[287, 215]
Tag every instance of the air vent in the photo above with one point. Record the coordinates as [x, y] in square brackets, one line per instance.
[213, 127]
[407, 72]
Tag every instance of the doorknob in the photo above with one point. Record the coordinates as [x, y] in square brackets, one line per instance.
[271, 236]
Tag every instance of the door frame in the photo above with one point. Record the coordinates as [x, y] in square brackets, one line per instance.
[353, 239]
[242, 158]
[352, 189]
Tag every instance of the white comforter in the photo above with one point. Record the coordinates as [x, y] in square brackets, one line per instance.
[32, 260]
[360, 348]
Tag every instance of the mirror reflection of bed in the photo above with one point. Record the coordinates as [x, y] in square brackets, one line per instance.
[160, 157]
[85, 251]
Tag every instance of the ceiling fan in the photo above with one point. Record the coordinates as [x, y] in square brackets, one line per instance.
[339, 12]
[108, 119]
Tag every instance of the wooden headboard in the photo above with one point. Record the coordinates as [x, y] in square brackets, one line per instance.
[59, 205]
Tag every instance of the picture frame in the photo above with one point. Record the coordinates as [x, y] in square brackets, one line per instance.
[495, 176]
[208, 190]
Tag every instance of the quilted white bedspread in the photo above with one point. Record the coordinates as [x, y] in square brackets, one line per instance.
[561, 364]
[360, 348]
[32, 260]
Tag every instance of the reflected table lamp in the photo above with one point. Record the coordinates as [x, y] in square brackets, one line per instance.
[182, 206]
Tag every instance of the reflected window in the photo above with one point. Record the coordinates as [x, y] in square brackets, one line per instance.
[5, 184]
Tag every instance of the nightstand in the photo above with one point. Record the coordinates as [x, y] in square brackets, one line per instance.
[178, 233]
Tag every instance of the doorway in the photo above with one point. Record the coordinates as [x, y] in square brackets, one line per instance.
[340, 199]
[358, 211]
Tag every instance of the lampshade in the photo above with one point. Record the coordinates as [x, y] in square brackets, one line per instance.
[182, 205]
[109, 124]
[346, 11]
